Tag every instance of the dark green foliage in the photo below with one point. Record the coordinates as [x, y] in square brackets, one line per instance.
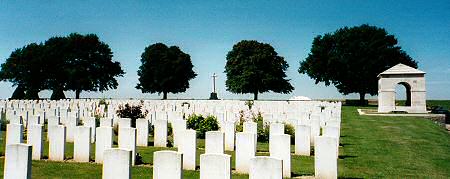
[254, 67]
[19, 93]
[164, 70]
[132, 112]
[25, 68]
[263, 132]
[58, 94]
[351, 58]
[290, 129]
[202, 125]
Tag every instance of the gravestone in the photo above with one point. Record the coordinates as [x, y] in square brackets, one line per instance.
[142, 132]
[35, 139]
[160, 133]
[14, 134]
[229, 131]
[216, 166]
[302, 140]
[117, 164]
[167, 165]
[214, 142]
[104, 140]
[188, 147]
[82, 144]
[280, 147]
[127, 140]
[57, 142]
[245, 150]
[325, 159]
[17, 161]
[263, 167]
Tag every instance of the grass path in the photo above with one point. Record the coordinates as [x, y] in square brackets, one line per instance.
[371, 147]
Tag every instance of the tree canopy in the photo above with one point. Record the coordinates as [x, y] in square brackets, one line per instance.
[75, 62]
[254, 67]
[164, 70]
[351, 58]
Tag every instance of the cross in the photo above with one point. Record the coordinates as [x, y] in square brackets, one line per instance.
[214, 76]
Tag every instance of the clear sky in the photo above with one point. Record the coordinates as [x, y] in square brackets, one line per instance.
[207, 30]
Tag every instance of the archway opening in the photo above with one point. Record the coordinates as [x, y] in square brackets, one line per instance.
[403, 94]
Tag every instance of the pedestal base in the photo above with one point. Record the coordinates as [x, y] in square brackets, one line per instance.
[213, 96]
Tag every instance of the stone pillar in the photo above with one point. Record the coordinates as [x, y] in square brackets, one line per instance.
[214, 142]
[280, 147]
[127, 140]
[160, 134]
[178, 126]
[216, 166]
[302, 140]
[35, 139]
[188, 147]
[57, 142]
[265, 168]
[82, 144]
[229, 135]
[275, 128]
[104, 140]
[245, 150]
[17, 161]
[325, 159]
[142, 132]
[117, 164]
[14, 134]
[167, 165]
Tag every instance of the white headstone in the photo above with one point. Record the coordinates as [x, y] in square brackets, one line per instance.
[275, 128]
[104, 140]
[160, 133]
[167, 165]
[106, 122]
[214, 142]
[82, 144]
[57, 142]
[117, 164]
[325, 159]
[17, 161]
[245, 150]
[265, 168]
[127, 140]
[178, 126]
[302, 140]
[142, 132]
[35, 139]
[216, 166]
[229, 131]
[14, 134]
[188, 147]
[90, 122]
[280, 147]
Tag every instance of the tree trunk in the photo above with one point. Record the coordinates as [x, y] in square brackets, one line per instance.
[362, 99]
[77, 94]
[164, 95]
[57, 94]
[255, 96]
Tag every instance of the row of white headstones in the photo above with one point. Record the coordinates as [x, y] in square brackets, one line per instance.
[212, 163]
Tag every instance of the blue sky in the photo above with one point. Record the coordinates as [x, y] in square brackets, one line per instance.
[207, 31]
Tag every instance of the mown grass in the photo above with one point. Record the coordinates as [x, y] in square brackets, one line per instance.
[371, 147]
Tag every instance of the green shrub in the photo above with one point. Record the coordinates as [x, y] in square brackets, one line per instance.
[290, 129]
[263, 133]
[201, 124]
[132, 112]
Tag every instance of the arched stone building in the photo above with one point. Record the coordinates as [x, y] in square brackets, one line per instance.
[414, 82]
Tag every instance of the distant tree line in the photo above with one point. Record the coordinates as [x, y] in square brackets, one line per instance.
[349, 58]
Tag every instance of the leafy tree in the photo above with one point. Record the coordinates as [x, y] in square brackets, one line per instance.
[25, 69]
[254, 67]
[57, 57]
[164, 70]
[88, 65]
[351, 59]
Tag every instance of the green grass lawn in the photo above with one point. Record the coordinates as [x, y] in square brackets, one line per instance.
[371, 147]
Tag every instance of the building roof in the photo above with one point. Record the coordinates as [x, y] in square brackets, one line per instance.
[401, 69]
